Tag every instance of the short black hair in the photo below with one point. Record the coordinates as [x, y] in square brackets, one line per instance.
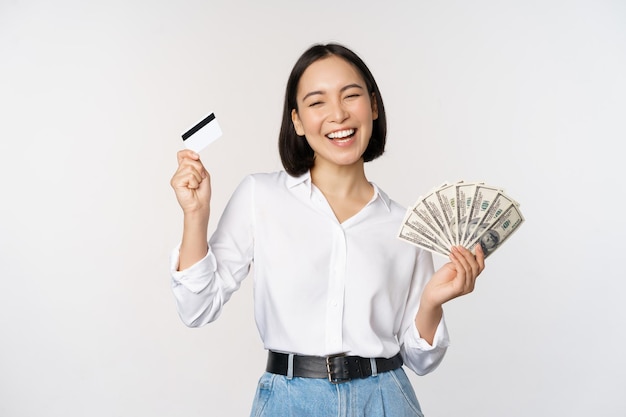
[295, 153]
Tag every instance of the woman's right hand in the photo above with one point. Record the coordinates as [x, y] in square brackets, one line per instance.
[192, 184]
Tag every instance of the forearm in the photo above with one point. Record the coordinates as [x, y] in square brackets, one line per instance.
[194, 242]
[427, 320]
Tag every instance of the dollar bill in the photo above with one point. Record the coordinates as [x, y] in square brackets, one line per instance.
[431, 203]
[482, 199]
[446, 196]
[495, 235]
[411, 235]
[464, 214]
[419, 220]
[500, 203]
[464, 198]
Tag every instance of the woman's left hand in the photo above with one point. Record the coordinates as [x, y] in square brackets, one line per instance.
[455, 278]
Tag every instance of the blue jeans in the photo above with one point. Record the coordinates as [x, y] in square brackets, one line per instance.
[387, 394]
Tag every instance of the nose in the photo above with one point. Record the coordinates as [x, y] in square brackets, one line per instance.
[338, 112]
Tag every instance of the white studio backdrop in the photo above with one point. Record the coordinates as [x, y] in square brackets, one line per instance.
[94, 96]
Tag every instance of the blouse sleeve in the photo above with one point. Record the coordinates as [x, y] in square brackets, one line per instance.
[202, 289]
[418, 354]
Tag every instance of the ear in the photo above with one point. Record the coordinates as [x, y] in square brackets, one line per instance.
[297, 124]
[374, 107]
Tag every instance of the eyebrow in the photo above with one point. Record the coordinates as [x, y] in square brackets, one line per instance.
[344, 88]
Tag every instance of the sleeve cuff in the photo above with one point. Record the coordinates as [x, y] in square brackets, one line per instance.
[195, 278]
[413, 339]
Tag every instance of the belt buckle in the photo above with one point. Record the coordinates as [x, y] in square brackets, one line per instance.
[331, 369]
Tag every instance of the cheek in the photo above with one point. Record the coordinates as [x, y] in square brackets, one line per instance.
[311, 121]
[365, 114]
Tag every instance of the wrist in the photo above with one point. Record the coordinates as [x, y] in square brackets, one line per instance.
[196, 216]
[427, 320]
[195, 226]
[430, 310]
[429, 303]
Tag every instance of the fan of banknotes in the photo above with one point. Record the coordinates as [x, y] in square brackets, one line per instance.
[461, 214]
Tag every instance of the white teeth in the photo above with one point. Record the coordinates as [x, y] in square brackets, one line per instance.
[340, 134]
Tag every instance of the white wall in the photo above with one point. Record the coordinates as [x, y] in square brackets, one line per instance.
[95, 95]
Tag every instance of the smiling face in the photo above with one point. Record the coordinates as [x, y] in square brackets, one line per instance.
[335, 112]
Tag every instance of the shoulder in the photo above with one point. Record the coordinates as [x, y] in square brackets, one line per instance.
[394, 218]
[269, 179]
[397, 210]
[270, 182]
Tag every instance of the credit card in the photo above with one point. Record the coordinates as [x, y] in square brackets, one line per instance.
[202, 134]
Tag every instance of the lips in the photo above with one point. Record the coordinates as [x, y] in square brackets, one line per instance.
[341, 134]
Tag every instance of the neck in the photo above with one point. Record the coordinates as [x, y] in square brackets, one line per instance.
[341, 181]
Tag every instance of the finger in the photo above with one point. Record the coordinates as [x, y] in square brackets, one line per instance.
[465, 272]
[192, 183]
[187, 154]
[472, 261]
[196, 165]
[186, 177]
[456, 258]
[462, 257]
[480, 257]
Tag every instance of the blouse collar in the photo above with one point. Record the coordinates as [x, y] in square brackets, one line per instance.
[305, 180]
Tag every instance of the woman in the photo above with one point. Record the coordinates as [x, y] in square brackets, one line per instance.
[340, 303]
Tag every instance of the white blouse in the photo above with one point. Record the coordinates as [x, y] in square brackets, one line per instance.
[320, 287]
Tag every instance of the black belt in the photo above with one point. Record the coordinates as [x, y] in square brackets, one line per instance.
[337, 368]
